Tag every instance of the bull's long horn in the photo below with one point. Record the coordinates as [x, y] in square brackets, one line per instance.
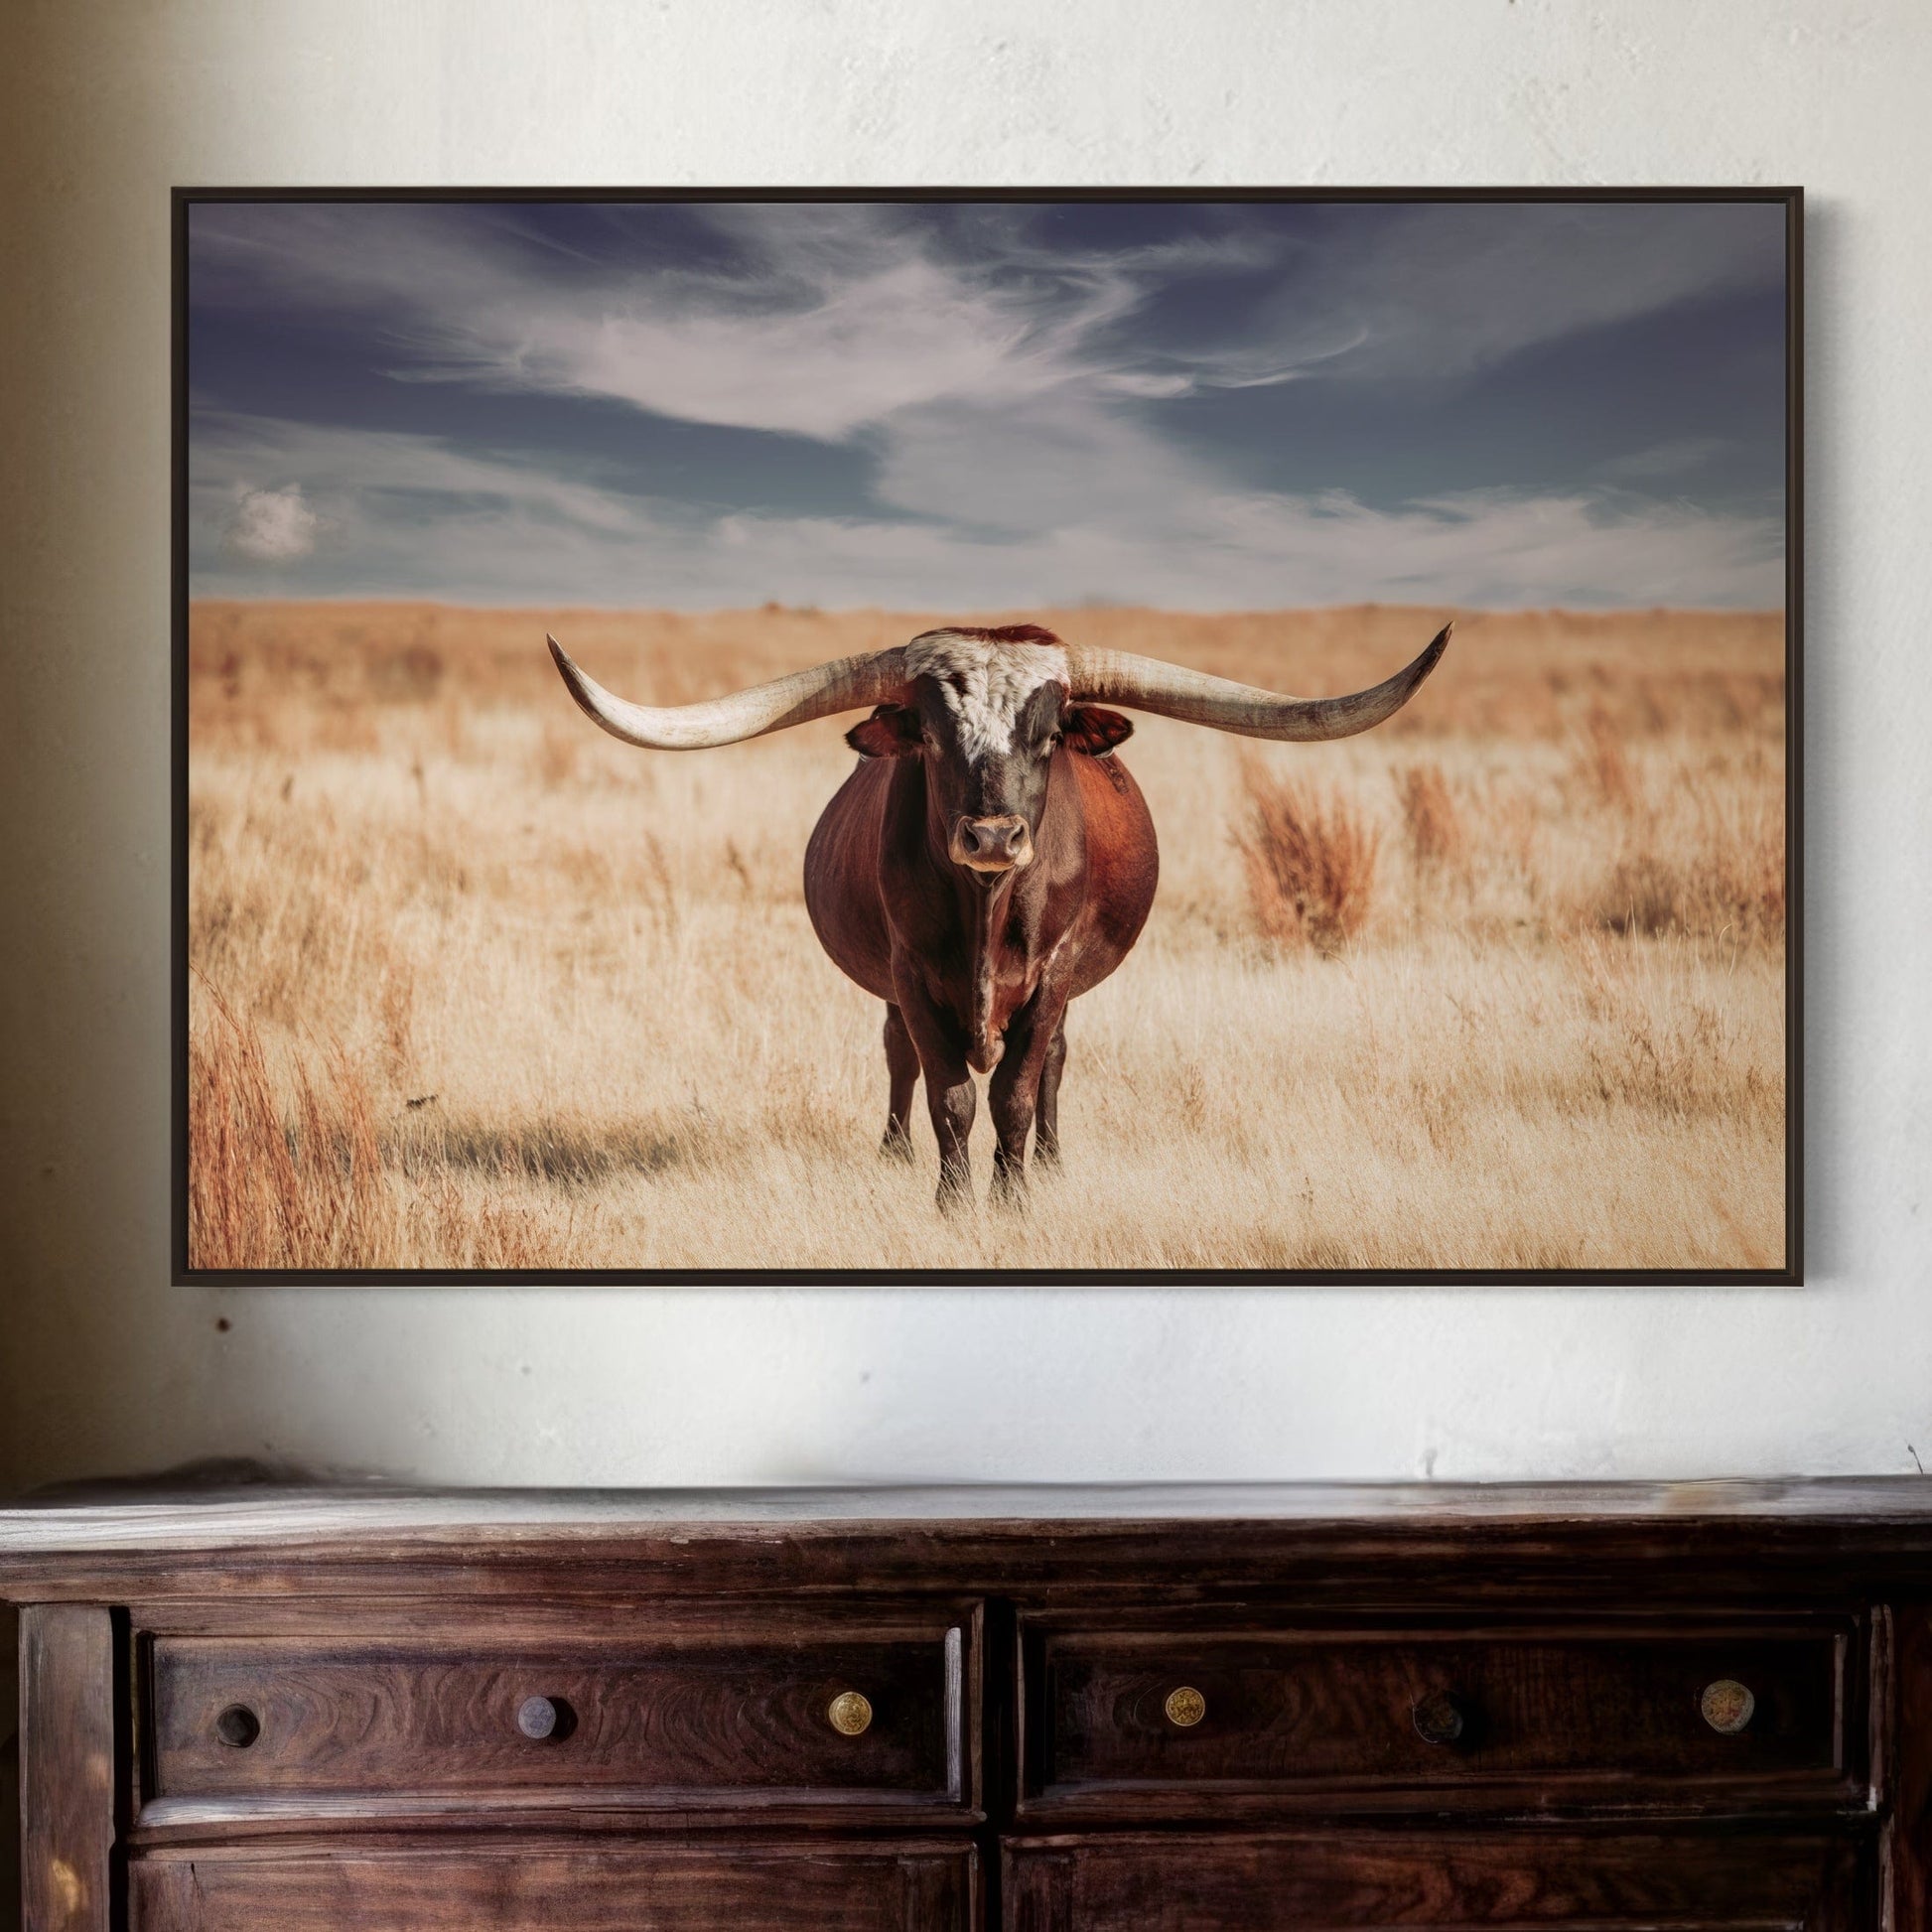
[845, 684]
[1171, 691]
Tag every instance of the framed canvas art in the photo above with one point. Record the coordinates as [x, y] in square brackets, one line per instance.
[1038, 735]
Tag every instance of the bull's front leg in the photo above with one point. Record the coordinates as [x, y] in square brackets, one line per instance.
[902, 1074]
[1046, 1130]
[1015, 1090]
[939, 1039]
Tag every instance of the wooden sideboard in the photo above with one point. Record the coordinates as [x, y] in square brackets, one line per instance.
[1586, 1708]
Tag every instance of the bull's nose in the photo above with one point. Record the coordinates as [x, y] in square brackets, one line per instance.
[992, 844]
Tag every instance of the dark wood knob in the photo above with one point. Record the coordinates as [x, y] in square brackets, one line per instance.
[1440, 1718]
[538, 1717]
[238, 1726]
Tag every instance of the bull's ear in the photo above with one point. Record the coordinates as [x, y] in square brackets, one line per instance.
[892, 732]
[1086, 727]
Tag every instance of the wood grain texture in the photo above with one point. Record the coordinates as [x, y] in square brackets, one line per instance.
[8, 1770]
[1325, 1541]
[1608, 1714]
[744, 1711]
[155, 1512]
[758, 1887]
[1232, 1882]
[1908, 1837]
[67, 1768]
[1320, 1572]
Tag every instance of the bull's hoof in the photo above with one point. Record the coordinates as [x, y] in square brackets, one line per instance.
[955, 1195]
[896, 1145]
[1046, 1157]
[1008, 1192]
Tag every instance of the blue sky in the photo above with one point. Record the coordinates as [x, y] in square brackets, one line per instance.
[983, 407]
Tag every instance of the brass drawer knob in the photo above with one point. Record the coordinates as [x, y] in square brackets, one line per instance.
[1186, 1706]
[238, 1726]
[850, 1713]
[1727, 1706]
[1440, 1718]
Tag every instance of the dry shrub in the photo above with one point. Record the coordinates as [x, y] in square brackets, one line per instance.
[1605, 764]
[1721, 889]
[1643, 892]
[269, 1192]
[1436, 836]
[1310, 859]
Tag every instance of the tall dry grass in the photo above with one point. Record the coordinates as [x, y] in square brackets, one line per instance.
[478, 987]
[284, 1173]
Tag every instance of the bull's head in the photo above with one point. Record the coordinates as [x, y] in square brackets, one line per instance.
[988, 711]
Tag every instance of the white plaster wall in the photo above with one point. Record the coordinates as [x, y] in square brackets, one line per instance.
[102, 1365]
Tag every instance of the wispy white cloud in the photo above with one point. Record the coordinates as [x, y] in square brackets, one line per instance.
[843, 319]
[1445, 292]
[1675, 456]
[273, 526]
[423, 519]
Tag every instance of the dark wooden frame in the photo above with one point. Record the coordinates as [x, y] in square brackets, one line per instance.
[1791, 1273]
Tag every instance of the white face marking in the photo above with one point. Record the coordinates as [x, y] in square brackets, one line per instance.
[985, 684]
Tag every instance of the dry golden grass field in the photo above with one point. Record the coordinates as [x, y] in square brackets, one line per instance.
[1497, 985]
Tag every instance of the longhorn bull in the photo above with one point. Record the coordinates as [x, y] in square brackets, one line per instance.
[990, 858]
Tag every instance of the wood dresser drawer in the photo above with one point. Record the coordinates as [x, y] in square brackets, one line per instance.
[757, 1886]
[1265, 1882]
[1171, 1720]
[728, 1712]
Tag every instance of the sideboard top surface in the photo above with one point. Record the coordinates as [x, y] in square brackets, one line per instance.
[140, 1516]
[77, 1540]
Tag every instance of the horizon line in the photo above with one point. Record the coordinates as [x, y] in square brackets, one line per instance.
[776, 608]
